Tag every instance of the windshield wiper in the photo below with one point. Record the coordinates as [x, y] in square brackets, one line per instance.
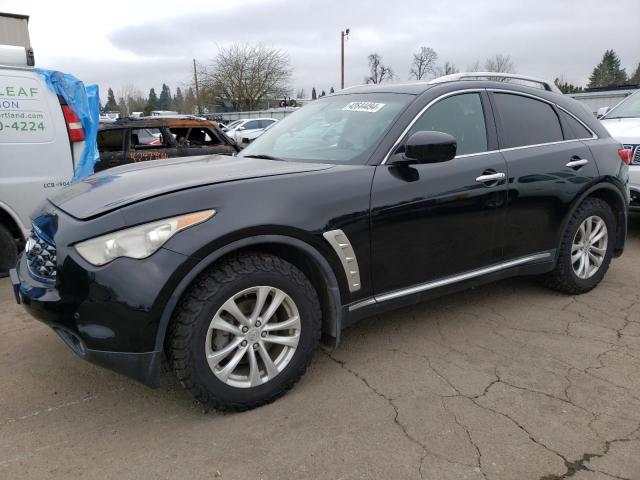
[264, 157]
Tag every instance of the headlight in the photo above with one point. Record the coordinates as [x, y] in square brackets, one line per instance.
[137, 242]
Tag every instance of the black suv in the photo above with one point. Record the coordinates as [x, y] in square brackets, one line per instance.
[360, 202]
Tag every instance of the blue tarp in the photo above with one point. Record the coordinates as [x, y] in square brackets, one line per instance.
[85, 101]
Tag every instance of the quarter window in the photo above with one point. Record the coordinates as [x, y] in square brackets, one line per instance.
[110, 140]
[573, 128]
[526, 121]
[461, 116]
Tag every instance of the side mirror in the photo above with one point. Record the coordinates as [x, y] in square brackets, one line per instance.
[602, 111]
[240, 129]
[429, 147]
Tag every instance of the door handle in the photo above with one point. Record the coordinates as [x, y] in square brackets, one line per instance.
[491, 177]
[580, 162]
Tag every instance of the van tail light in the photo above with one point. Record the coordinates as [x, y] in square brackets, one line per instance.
[74, 127]
[625, 155]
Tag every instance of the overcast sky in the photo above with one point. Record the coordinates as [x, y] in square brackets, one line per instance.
[150, 42]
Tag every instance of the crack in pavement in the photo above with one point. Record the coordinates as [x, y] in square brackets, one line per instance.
[466, 429]
[578, 465]
[402, 427]
[572, 466]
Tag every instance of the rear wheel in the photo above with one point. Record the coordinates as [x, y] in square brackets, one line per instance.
[8, 251]
[245, 332]
[586, 249]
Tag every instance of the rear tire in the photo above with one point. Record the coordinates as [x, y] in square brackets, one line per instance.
[271, 347]
[8, 251]
[593, 216]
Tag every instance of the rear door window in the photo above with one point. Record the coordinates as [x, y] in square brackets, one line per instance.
[526, 121]
[147, 139]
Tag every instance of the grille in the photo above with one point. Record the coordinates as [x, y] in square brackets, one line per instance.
[41, 257]
[635, 154]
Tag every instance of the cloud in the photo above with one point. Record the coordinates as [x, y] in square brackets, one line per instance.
[546, 38]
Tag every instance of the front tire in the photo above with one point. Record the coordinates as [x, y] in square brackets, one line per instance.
[245, 332]
[586, 249]
[8, 251]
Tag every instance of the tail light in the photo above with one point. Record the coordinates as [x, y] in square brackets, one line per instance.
[625, 155]
[74, 127]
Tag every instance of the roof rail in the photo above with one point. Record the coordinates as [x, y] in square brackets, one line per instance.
[544, 84]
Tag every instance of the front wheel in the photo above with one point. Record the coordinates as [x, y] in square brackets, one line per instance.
[245, 332]
[586, 249]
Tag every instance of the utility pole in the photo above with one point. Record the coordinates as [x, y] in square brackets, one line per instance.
[343, 34]
[195, 78]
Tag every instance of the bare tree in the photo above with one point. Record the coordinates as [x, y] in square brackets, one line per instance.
[424, 62]
[447, 69]
[474, 67]
[133, 97]
[378, 71]
[246, 75]
[499, 63]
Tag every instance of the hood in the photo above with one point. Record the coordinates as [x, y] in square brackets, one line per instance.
[625, 130]
[120, 186]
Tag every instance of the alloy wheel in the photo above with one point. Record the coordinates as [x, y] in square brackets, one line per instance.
[589, 247]
[253, 336]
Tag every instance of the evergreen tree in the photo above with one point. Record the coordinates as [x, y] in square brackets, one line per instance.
[111, 105]
[178, 101]
[190, 103]
[566, 87]
[313, 93]
[152, 102]
[332, 90]
[323, 93]
[608, 71]
[635, 78]
[164, 102]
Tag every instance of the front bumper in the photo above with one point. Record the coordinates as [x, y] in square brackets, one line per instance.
[109, 315]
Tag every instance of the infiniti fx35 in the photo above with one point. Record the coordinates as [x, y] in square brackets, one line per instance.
[363, 201]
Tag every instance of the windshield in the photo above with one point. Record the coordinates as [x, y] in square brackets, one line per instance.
[337, 129]
[628, 108]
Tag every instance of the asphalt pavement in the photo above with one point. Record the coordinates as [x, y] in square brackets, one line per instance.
[507, 381]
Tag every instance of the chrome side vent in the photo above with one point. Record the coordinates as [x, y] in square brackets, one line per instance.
[340, 243]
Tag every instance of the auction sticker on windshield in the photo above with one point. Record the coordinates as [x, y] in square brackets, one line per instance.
[23, 112]
[370, 107]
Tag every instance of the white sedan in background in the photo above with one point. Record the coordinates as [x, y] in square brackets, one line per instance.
[248, 128]
[623, 123]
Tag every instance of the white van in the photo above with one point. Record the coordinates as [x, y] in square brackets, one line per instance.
[41, 138]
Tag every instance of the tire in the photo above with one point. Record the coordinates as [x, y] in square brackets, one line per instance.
[192, 337]
[564, 277]
[8, 251]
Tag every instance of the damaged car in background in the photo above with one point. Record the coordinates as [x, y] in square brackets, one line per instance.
[138, 139]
